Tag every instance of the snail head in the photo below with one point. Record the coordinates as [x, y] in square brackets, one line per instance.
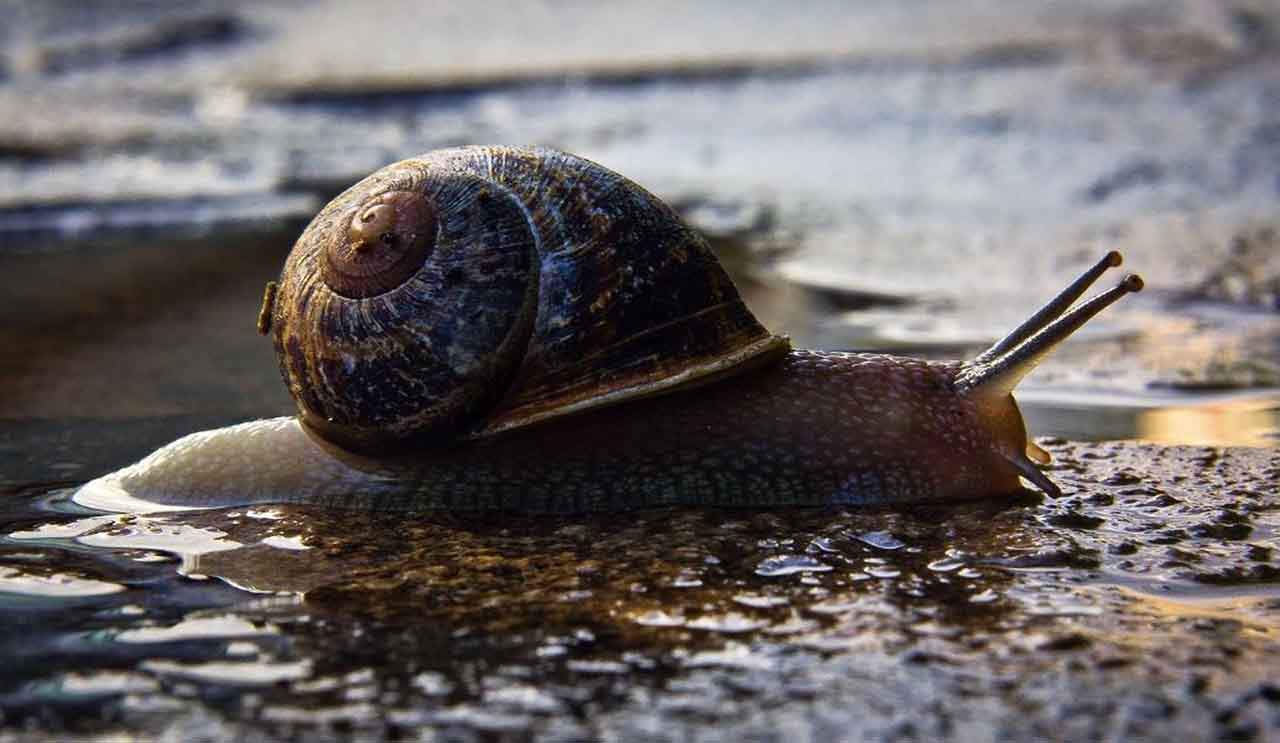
[990, 377]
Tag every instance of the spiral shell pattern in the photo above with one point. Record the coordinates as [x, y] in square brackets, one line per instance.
[475, 290]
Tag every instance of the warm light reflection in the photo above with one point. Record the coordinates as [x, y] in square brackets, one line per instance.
[1223, 419]
[1229, 423]
[1232, 608]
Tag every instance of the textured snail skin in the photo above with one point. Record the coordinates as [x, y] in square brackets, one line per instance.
[817, 428]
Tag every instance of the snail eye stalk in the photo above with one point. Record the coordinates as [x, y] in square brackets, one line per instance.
[998, 370]
[1050, 312]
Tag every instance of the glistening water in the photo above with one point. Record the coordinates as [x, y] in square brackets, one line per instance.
[1143, 602]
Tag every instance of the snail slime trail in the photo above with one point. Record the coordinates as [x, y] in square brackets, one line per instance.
[522, 329]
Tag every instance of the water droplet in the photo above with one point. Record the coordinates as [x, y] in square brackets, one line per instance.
[735, 656]
[881, 540]
[792, 626]
[761, 602]
[432, 684]
[686, 580]
[658, 618]
[231, 673]
[945, 565]
[790, 565]
[884, 572]
[730, 623]
[58, 585]
[834, 606]
[524, 699]
[220, 627]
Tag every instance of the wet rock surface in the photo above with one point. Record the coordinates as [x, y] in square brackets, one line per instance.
[1143, 604]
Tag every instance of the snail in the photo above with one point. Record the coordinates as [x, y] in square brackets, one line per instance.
[523, 329]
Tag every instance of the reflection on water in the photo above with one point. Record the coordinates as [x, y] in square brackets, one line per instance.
[271, 618]
[1230, 423]
[1224, 419]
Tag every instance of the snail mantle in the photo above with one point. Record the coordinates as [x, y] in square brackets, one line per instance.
[522, 329]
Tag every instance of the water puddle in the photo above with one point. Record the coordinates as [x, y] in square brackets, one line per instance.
[271, 618]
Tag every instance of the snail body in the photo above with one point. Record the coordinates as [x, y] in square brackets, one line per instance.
[522, 329]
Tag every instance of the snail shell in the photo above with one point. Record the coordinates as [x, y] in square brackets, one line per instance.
[471, 291]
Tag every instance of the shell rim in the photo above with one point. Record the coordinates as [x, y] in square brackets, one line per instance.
[748, 357]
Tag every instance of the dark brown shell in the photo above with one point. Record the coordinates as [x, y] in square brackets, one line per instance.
[551, 285]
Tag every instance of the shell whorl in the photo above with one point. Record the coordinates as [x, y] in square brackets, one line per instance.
[386, 241]
[421, 357]
[474, 290]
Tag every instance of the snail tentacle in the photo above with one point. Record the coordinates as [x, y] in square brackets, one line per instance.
[1051, 310]
[1000, 376]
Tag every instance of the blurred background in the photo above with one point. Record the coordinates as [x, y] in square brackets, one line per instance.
[906, 176]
